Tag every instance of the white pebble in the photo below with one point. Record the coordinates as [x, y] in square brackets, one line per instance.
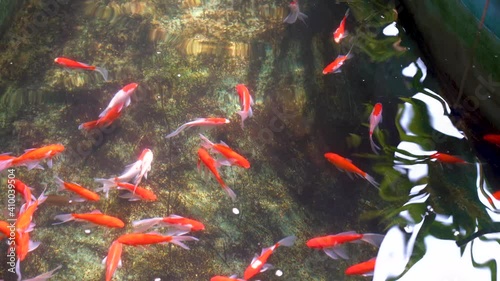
[279, 273]
[236, 211]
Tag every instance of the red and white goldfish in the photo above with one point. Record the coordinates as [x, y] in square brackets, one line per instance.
[295, 13]
[136, 171]
[32, 157]
[344, 164]
[83, 193]
[246, 102]
[224, 278]
[80, 65]
[137, 239]
[364, 268]
[199, 122]
[108, 118]
[340, 33]
[232, 158]
[375, 119]
[136, 192]
[95, 217]
[334, 66]
[212, 165]
[172, 220]
[113, 260]
[330, 244]
[121, 97]
[258, 264]
[447, 158]
[491, 138]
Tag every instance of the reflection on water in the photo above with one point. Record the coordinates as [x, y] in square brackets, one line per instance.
[439, 212]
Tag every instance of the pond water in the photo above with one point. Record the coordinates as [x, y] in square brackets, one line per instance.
[438, 214]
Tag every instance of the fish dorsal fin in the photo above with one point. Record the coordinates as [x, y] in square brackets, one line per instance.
[265, 249]
[348, 160]
[29, 149]
[233, 276]
[255, 257]
[224, 144]
[175, 216]
[95, 212]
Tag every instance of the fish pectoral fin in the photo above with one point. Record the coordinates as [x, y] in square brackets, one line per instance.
[266, 267]
[120, 263]
[104, 260]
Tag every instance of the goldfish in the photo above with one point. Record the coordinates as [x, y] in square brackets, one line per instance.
[334, 66]
[80, 65]
[95, 217]
[136, 171]
[113, 260]
[258, 264]
[246, 102]
[83, 193]
[172, 220]
[211, 164]
[331, 244]
[137, 239]
[375, 119]
[340, 33]
[365, 268]
[136, 192]
[23, 189]
[33, 156]
[121, 97]
[492, 138]
[345, 164]
[146, 159]
[199, 122]
[224, 278]
[108, 118]
[447, 158]
[232, 157]
[295, 13]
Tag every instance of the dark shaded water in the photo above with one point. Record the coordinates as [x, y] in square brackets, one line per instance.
[187, 58]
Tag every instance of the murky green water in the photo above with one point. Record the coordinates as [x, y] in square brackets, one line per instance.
[187, 57]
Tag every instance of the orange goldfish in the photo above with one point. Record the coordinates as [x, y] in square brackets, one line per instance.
[32, 157]
[136, 239]
[83, 193]
[212, 165]
[492, 138]
[346, 165]
[224, 278]
[365, 268]
[231, 156]
[136, 192]
[172, 220]
[340, 33]
[447, 158]
[330, 244]
[80, 65]
[95, 217]
[334, 66]
[113, 260]
[246, 102]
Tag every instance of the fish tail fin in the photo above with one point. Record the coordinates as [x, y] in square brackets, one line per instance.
[302, 17]
[107, 184]
[63, 218]
[374, 147]
[230, 192]
[177, 131]
[244, 115]
[103, 72]
[145, 224]
[371, 180]
[206, 143]
[347, 12]
[292, 17]
[5, 164]
[177, 240]
[287, 241]
[373, 238]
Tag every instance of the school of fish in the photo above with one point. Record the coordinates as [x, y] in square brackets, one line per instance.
[211, 157]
